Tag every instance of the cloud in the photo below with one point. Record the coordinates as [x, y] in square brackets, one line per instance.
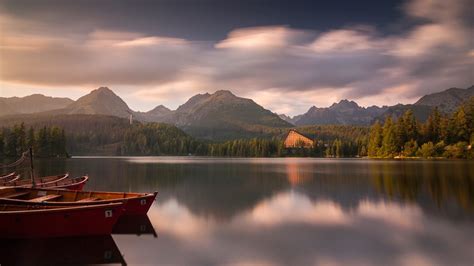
[357, 62]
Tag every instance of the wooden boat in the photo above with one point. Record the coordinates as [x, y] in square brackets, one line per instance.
[76, 183]
[38, 181]
[134, 203]
[87, 250]
[33, 221]
[9, 179]
[3, 177]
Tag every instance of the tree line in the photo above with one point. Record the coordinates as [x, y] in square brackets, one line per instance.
[442, 135]
[45, 141]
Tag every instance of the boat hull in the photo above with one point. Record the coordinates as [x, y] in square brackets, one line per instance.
[42, 181]
[138, 204]
[71, 184]
[60, 222]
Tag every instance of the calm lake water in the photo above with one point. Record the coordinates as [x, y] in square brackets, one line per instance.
[284, 211]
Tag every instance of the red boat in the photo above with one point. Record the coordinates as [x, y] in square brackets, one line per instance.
[134, 203]
[38, 181]
[26, 221]
[76, 183]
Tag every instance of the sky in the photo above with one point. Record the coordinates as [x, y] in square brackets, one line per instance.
[285, 55]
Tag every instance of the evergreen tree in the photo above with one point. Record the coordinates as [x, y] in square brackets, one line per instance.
[375, 140]
[389, 141]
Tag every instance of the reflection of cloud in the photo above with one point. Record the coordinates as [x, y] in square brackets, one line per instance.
[406, 216]
[173, 218]
[291, 229]
[296, 208]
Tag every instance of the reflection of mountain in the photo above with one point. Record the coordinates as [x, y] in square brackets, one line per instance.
[307, 232]
[222, 188]
[60, 251]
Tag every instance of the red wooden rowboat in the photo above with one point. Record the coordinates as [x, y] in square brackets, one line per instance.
[134, 203]
[26, 221]
[76, 183]
[38, 181]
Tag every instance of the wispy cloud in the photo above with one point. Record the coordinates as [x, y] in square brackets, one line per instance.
[356, 62]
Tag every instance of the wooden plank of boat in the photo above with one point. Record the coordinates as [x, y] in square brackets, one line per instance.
[38, 181]
[134, 203]
[3, 177]
[6, 181]
[33, 221]
[76, 183]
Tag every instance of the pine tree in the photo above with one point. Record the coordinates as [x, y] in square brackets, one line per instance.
[389, 142]
[375, 140]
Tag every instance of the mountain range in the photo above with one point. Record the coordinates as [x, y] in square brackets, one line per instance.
[223, 115]
[31, 104]
[350, 113]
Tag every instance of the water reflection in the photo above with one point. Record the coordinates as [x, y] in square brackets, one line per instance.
[134, 225]
[291, 229]
[60, 251]
[293, 211]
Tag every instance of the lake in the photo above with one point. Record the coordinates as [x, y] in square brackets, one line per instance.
[279, 211]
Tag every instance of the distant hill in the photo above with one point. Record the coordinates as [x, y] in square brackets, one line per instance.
[350, 113]
[421, 112]
[447, 101]
[343, 113]
[101, 101]
[160, 110]
[286, 118]
[31, 104]
[222, 115]
[157, 114]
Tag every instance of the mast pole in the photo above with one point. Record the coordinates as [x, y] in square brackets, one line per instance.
[32, 168]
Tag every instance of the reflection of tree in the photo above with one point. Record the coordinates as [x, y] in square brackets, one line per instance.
[410, 181]
[401, 185]
[221, 189]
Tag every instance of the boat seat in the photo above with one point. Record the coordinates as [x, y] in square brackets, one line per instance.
[16, 195]
[45, 198]
[88, 199]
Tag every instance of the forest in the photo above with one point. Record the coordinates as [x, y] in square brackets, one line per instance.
[46, 141]
[442, 135]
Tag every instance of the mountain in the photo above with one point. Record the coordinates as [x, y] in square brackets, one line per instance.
[345, 112]
[286, 118]
[31, 104]
[160, 110]
[447, 101]
[101, 101]
[421, 112]
[222, 115]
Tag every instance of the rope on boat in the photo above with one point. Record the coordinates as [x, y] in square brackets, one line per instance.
[16, 163]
